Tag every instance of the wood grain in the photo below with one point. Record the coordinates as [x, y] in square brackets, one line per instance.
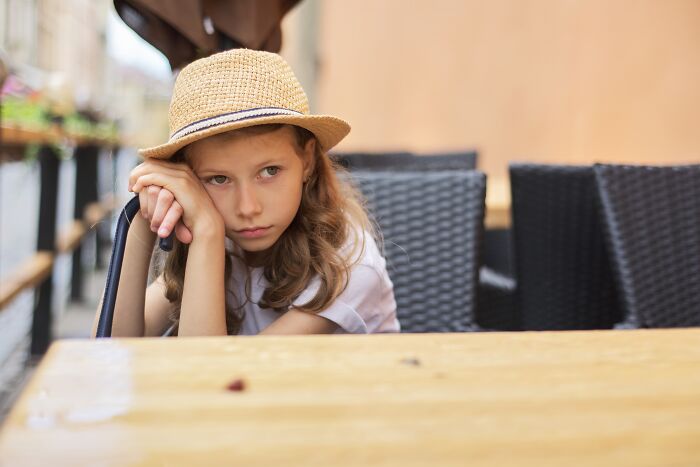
[618, 398]
[34, 270]
[30, 274]
[498, 214]
[19, 136]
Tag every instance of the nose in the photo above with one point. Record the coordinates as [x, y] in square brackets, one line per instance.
[247, 205]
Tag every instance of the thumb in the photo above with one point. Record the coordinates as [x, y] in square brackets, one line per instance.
[183, 233]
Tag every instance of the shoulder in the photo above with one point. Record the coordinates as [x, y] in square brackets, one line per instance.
[361, 248]
[367, 304]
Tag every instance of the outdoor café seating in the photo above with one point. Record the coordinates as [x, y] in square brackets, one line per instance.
[597, 247]
[564, 280]
[431, 223]
[652, 219]
[459, 233]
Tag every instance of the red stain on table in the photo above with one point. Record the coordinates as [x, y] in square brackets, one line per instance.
[236, 385]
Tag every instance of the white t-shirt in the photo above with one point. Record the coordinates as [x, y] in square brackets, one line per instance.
[366, 305]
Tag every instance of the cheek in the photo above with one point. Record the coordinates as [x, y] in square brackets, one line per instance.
[219, 198]
[286, 196]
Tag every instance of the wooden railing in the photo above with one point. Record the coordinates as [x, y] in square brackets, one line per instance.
[17, 136]
[36, 269]
[28, 275]
[35, 272]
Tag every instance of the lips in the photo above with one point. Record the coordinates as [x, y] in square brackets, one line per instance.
[253, 232]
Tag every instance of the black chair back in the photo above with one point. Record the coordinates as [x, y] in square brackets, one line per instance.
[564, 279]
[104, 325]
[405, 161]
[652, 218]
[431, 223]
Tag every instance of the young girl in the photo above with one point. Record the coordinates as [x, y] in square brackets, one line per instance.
[269, 239]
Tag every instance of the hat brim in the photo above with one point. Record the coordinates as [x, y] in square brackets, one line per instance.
[328, 130]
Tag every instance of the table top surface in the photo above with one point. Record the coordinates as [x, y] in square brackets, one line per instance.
[498, 210]
[497, 399]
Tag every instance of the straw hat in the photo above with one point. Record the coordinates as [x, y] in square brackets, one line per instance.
[236, 89]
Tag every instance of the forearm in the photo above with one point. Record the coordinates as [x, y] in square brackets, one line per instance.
[129, 307]
[203, 310]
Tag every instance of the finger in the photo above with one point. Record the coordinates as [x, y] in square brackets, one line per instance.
[151, 168]
[143, 203]
[134, 175]
[183, 233]
[170, 179]
[151, 165]
[163, 203]
[171, 218]
[153, 191]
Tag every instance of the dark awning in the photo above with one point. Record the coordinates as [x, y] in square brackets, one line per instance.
[187, 30]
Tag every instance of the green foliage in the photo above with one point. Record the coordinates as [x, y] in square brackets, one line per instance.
[24, 113]
[33, 114]
[78, 125]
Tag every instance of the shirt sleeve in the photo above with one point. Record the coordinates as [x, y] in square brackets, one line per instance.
[367, 304]
[357, 309]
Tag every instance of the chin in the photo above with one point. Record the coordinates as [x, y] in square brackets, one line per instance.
[253, 246]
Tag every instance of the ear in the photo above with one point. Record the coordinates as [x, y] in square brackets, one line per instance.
[309, 158]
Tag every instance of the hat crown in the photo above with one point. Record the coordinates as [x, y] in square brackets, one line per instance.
[234, 81]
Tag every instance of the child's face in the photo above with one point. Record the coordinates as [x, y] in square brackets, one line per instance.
[255, 181]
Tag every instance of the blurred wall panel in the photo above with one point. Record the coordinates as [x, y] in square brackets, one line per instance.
[72, 45]
[18, 36]
[570, 81]
[300, 45]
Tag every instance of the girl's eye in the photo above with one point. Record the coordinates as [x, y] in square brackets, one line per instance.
[269, 172]
[218, 179]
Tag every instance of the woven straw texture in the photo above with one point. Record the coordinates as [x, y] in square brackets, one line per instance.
[563, 274]
[432, 227]
[652, 217]
[215, 86]
[261, 84]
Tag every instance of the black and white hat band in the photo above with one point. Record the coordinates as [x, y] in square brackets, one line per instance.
[230, 118]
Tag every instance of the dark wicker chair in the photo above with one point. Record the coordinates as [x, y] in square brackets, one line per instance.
[564, 278]
[652, 218]
[431, 223]
[405, 161]
[496, 308]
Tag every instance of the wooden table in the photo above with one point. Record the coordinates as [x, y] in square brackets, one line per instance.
[617, 398]
[498, 215]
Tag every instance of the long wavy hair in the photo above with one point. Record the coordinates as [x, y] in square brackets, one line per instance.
[331, 213]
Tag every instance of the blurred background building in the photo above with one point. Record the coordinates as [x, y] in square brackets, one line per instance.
[547, 80]
[79, 55]
[74, 60]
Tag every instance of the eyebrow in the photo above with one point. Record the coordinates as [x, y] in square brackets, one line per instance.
[210, 170]
[270, 161]
[219, 170]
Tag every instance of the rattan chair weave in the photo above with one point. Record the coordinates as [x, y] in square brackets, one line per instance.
[405, 161]
[652, 218]
[431, 224]
[562, 266]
